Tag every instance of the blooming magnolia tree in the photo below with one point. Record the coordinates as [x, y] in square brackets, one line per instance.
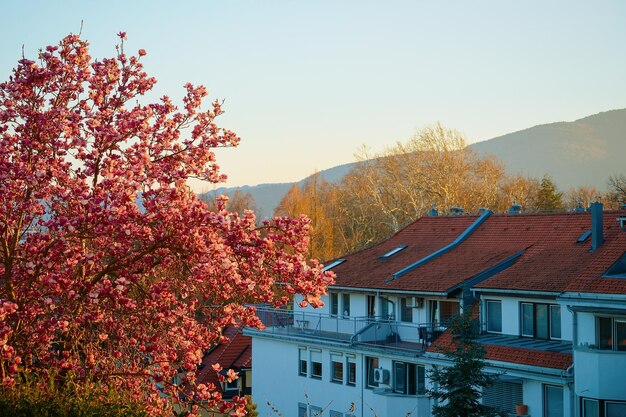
[111, 269]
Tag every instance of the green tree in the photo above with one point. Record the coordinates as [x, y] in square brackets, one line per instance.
[548, 197]
[251, 407]
[459, 386]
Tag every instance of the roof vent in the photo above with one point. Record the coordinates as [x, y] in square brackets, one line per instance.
[622, 207]
[333, 264]
[579, 207]
[433, 211]
[515, 208]
[393, 252]
[456, 210]
[482, 209]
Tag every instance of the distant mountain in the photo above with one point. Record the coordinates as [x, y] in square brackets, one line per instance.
[583, 152]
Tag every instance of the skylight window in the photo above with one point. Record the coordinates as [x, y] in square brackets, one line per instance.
[584, 236]
[333, 264]
[618, 269]
[393, 252]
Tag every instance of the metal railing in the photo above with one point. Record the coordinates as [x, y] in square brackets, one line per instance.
[372, 331]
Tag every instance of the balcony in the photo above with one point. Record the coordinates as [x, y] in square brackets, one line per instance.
[599, 373]
[369, 332]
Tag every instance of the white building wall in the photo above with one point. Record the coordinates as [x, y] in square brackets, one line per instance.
[276, 380]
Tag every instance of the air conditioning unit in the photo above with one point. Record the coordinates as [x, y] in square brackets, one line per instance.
[381, 375]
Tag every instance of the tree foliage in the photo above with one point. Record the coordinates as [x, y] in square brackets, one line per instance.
[384, 192]
[97, 287]
[458, 388]
[617, 190]
[548, 197]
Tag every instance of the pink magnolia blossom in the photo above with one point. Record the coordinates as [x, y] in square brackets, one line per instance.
[98, 286]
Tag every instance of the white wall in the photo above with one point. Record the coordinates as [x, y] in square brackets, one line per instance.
[276, 379]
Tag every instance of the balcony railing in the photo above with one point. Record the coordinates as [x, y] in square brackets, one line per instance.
[377, 332]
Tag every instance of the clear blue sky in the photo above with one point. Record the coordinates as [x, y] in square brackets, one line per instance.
[306, 83]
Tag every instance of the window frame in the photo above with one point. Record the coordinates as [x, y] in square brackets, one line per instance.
[333, 376]
[535, 323]
[487, 303]
[614, 342]
[350, 373]
[545, 399]
[345, 300]
[303, 359]
[417, 372]
[406, 313]
[333, 301]
[321, 369]
[371, 363]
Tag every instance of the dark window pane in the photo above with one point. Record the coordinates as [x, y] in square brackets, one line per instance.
[553, 397]
[620, 335]
[316, 369]
[494, 316]
[528, 328]
[399, 377]
[590, 408]
[555, 322]
[406, 313]
[448, 310]
[541, 321]
[605, 333]
[371, 306]
[337, 371]
[372, 363]
[411, 379]
[346, 305]
[334, 303]
[351, 373]
[303, 366]
[615, 409]
[421, 380]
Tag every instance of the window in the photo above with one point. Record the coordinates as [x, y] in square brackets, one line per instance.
[618, 269]
[552, 401]
[611, 333]
[232, 385]
[316, 365]
[334, 303]
[541, 321]
[333, 264]
[371, 364]
[393, 252]
[447, 311]
[351, 373]
[371, 306]
[503, 395]
[337, 370]
[590, 408]
[303, 362]
[409, 378]
[302, 410]
[614, 409]
[316, 411]
[346, 305]
[494, 316]
[335, 414]
[406, 312]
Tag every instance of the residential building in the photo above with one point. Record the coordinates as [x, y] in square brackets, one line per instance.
[551, 291]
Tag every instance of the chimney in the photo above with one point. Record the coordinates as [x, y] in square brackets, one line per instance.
[515, 208]
[597, 230]
[457, 211]
[433, 211]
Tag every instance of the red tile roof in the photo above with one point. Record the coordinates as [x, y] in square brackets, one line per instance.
[532, 357]
[552, 261]
[235, 353]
